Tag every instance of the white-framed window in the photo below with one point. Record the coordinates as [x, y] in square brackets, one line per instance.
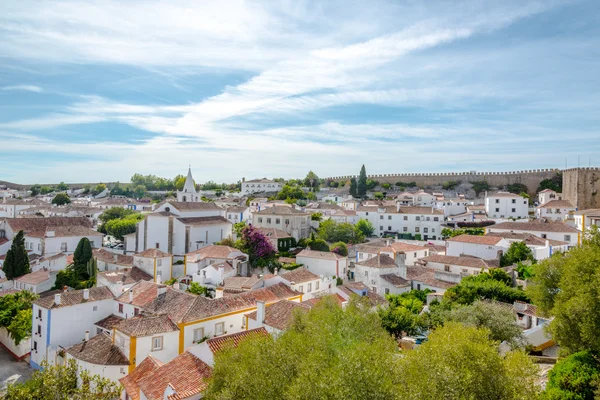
[287, 221]
[497, 201]
[366, 274]
[567, 238]
[268, 220]
[92, 243]
[387, 291]
[406, 217]
[513, 210]
[157, 343]
[417, 218]
[159, 262]
[277, 220]
[95, 308]
[198, 334]
[219, 328]
[389, 217]
[260, 220]
[425, 230]
[309, 288]
[417, 229]
[447, 268]
[317, 285]
[497, 210]
[301, 288]
[405, 229]
[381, 217]
[436, 219]
[514, 201]
[63, 246]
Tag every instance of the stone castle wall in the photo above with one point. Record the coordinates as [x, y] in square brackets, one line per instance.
[581, 186]
[530, 178]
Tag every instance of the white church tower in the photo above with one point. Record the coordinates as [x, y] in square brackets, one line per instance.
[189, 193]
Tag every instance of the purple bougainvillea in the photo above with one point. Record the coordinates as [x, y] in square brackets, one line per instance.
[259, 248]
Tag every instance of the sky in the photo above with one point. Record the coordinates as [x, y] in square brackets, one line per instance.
[99, 90]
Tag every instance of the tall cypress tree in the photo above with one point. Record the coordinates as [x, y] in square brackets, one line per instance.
[81, 257]
[353, 189]
[362, 181]
[16, 263]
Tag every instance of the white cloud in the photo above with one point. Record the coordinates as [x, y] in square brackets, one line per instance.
[26, 88]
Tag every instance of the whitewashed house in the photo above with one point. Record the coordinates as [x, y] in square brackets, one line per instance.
[555, 210]
[504, 205]
[486, 247]
[276, 318]
[459, 265]
[323, 263]
[36, 282]
[383, 274]
[54, 319]
[155, 263]
[583, 219]
[204, 264]
[558, 231]
[412, 252]
[294, 222]
[548, 195]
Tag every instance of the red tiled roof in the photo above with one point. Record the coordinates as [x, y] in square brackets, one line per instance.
[476, 239]
[464, 261]
[279, 315]
[214, 251]
[185, 373]
[127, 275]
[299, 275]
[153, 253]
[324, 255]
[112, 258]
[379, 261]
[99, 350]
[37, 226]
[202, 221]
[34, 278]
[220, 343]
[75, 297]
[395, 280]
[147, 325]
[143, 293]
[144, 369]
[109, 322]
[534, 226]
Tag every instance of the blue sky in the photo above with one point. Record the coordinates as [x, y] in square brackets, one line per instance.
[100, 90]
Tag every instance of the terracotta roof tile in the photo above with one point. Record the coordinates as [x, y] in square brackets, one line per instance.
[279, 315]
[144, 369]
[557, 204]
[299, 275]
[476, 239]
[37, 226]
[127, 275]
[214, 251]
[324, 255]
[35, 278]
[193, 206]
[274, 233]
[379, 261]
[109, 322]
[463, 261]
[112, 258]
[99, 350]
[185, 373]
[280, 210]
[203, 221]
[427, 276]
[152, 253]
[395, 280]
[220, 343]
[146, 325]
[75, 297]
[535, 226]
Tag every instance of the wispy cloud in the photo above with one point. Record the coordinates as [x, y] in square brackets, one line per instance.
[26, 88]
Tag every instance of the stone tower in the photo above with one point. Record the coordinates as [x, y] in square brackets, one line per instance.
[581, 186]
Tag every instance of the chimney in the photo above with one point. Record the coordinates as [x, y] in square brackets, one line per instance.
[260, 312]
[401, 263]
[130, 295]
[276, 271]
[86, 294]
[162, 289]
[87, 336]
[57, 299]
[218, 293]
[119, 288]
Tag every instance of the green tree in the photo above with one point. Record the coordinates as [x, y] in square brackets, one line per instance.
[15, 314]
[492, 285]
[62, 186]
[317, 216]
[82, 255]
[312, 181]
[517, 188]
[378, 195]
[575, 377]
[461, 362]
[290, 192]
[399, 320]
[366, 227]
[448, 233]
[342, 354]
[139, 191]
[61, 199]
[450, 185]
[16, 263]
[101, 187]
[179, 182]
[361, 188]
[121, 227]
[554, 183]
[332, 231]
[353, 187]
[63, 382]
[197, 289]
[339, 248]
[35, 189]
[567, 287]
[517, 251]
[480, 186]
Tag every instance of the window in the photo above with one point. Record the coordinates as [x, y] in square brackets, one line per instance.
[544, 236]
[381, 217]
[40, 314]
[287, 221]
[513, 210]
[497, 201]
[95, 308]
[558, 210]
[433, 231]
[157, 245]
[389, 217]
[34, 345]
[465, 271]
[405, 229]
[268, 220]
[260, 220]
[360, 255]
[387, 291]
[389, 228]
[317, 285]
[497, 210]
[63, 246]
[428, 219]
[39, 246]
[406, 218]
[436, 219]
[301, 288]
[447, 268]
[219, 328]
[136, 311]
[366, 274]
[417, 218]
[157, 343]
[567, 239]
[98, 331]
[514, 201]
[417, 229]
[91, 243]
[381, 227]
[367, 213]
[198, 334]
[159, 262]
[121, 308]
[39, 329]
[425, 230]
[415, 255]
[277, 220]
